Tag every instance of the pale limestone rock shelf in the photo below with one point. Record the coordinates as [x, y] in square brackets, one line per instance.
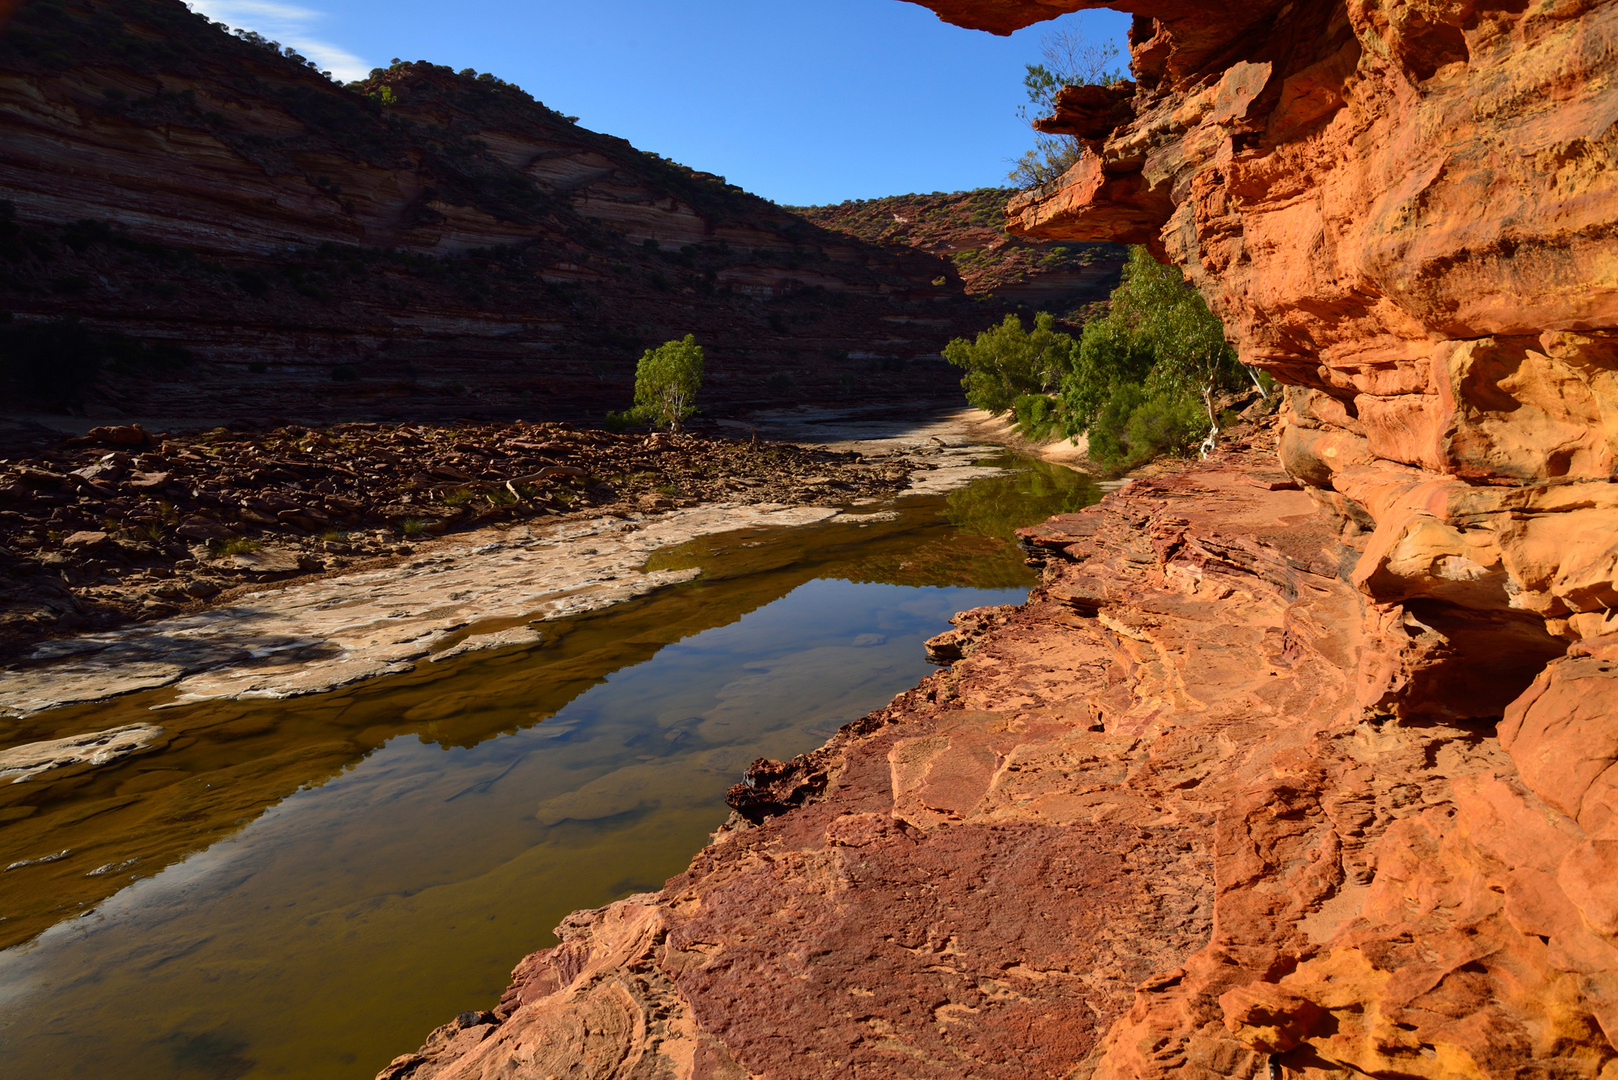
[333, 632]
[21, 764]
[482, 590]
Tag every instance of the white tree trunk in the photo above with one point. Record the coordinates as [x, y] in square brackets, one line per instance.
[1211, 441]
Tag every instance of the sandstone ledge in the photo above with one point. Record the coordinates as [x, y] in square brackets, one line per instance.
[1148, 826]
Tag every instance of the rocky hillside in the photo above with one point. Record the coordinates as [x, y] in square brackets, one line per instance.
[218, 230]
[969, 229]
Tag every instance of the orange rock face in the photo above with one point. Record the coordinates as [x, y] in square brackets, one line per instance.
[1402, 212]
[1405, 212]
[1268, 780]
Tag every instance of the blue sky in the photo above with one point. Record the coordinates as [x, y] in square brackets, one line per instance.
[801, 101]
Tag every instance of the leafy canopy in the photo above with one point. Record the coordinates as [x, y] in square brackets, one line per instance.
[666, 382]
[1141, 381]
[1147, 373]
[1007, 362]
[1070, 59]
[1158, 331]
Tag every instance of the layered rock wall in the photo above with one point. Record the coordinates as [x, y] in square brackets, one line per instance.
[442, 235]
[1320, 782]
[1407, 212]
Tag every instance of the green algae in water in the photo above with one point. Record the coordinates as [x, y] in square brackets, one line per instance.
[322, 880]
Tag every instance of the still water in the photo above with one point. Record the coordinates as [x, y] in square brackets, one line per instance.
[305, 888]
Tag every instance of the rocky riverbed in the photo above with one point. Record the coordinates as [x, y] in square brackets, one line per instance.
[125, 526]
[1149, 824]
[167, 563]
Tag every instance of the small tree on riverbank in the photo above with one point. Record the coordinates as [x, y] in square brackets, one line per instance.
[1148, 374]
[1006, 362]
[1143, 380]
[666, 383]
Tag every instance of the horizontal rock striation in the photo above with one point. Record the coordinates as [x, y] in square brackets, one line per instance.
[451, 244]
[1317, 767]
[968, 229]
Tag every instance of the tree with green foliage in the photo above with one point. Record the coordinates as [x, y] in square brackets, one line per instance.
[666, 382]
[1147, 375]
[1136, 425]
[1006, 362]
[1070, 60]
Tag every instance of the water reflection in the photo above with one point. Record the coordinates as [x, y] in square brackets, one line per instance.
[344, 872]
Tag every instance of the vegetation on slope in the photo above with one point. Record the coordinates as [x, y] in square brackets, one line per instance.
[966, 227]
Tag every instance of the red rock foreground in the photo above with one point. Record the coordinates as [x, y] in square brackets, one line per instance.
[1243, 791]
[1151, 824]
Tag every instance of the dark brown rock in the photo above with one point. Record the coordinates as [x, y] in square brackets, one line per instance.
[294, 486]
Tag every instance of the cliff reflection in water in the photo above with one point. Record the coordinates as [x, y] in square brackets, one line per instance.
[314, 890]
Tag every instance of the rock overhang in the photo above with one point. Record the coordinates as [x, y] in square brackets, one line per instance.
[1396, 210]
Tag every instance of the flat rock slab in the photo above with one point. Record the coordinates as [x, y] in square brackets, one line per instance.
[318, 635]
[21, 764]
[268, 561]
[1144, 827]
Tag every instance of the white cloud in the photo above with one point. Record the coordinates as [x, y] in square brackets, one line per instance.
[290, 25]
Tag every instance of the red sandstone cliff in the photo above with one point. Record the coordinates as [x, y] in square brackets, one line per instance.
[1407, 213]
[1264, 782]
[456, 244]
[969, 229]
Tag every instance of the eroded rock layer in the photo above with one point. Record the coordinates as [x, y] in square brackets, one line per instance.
[1305, 773]
[1144, 826]
[1408, 214]
[424, 243]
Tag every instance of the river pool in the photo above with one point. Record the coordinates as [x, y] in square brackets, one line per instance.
[306, 887]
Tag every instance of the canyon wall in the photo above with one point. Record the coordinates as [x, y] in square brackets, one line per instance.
[1408, 213]
[1304, 774]
[969, 229]
[450, 243]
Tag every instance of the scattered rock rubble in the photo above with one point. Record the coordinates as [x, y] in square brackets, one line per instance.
[124, 525]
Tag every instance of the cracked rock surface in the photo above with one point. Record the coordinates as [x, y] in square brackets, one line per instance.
[1147, 825]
